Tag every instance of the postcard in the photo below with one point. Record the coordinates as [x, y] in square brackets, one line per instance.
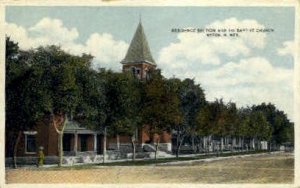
[149, 94]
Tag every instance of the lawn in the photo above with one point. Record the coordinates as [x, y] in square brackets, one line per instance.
[268, 168]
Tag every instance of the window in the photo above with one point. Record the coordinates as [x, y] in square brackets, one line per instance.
[30, 142]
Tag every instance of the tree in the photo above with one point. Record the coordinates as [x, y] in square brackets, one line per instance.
[124, 104]
[160, 106]
[231, 122]
[92, 101]
[219, 110]
[278, 121]
[204, 125]
[49, 90]
[242, 128]
[17, 119]
[259, 127]
[191, 99]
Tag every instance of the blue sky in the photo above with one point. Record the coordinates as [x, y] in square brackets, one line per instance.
[249, 69]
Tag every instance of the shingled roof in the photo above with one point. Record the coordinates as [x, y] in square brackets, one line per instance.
[138, 51]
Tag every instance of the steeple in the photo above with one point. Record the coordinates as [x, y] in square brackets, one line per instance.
[139, 51]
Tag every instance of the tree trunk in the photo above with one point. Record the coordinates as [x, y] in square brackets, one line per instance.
[60, 148]
[253, 143]
[60, 142]
[209, 143]
[204, 144]
[233, 143]
[198, 145]
[16, 149]
[118, 142]
[133, 148]
[242, 142]
[177, 144]
[222, 143]
[156, 148]
[104, 145]
[193, 142]
[57, 126]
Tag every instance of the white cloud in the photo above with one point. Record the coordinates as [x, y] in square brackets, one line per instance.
[20, 35]
[250, 80]
[251, 39]
[287, 49]
[250, 71]
[53, 30]
[247, 80]
[197, 47]
[108, 52]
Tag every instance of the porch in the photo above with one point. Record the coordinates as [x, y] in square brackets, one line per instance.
[81, 141]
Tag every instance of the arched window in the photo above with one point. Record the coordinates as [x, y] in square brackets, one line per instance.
[133, 69]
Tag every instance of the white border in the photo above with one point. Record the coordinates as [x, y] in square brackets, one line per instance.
[217, 3]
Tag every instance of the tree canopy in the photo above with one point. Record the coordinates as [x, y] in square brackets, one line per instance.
[48, 82]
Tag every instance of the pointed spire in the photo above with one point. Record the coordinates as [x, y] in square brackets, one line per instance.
[139, 51]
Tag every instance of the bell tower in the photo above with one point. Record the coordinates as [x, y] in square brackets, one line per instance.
[138, 58]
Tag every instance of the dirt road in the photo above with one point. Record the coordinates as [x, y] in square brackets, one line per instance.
[275, 168]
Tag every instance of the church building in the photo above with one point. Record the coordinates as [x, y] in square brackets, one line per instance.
[79, 141]
[139, 59]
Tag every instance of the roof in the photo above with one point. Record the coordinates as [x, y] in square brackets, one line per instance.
[139, 51]
[73, 126]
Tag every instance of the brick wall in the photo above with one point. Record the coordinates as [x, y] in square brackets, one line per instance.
[142, 67]
[144, 136]
[52, 141]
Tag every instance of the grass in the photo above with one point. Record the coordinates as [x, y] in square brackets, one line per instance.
[269, 168]
[157, 161]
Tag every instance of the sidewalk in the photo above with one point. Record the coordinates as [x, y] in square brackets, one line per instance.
[270, 168]
[217, 158]
[189, 161]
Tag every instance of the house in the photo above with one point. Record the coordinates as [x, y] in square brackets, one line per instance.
[80, 141]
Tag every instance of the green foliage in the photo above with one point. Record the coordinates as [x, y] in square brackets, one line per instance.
[282, 128]
[192, 99]
[47, 80]
[17, 72]
[259, 126]
[40, 82]
[217, 117]
[123, 102]
[242, 128]
[160, 103]
[92, 100]
[52, 82]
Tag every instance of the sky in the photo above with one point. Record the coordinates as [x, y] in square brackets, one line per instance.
[247, 69]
